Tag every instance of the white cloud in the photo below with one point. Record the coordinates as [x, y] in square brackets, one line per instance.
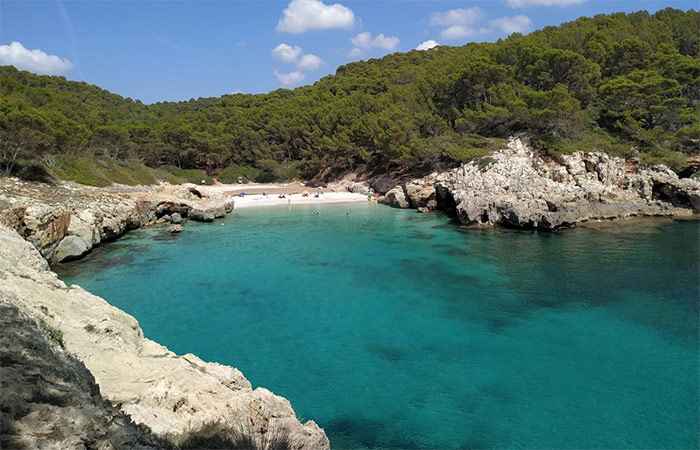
[456, 32]
[289, 54]
[303, 15]
[290, 79]
[365, 41]
[457, 23]
[286, 53]
[309, 63]
[466, 16]
[36, 61]
[528, 3]
[515, 24]
[427, 45]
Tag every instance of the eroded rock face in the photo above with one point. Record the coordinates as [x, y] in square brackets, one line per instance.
[49, 399]
[360, 187]
[167, 392]
[207, 212]
[418, 193]
[396, 197]
[421, 192]
[58, 219]
[71, 247]
[518, 188]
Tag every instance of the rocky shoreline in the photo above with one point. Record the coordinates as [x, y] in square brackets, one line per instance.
[135, 379]
[152, 391]
[66, 221]
[516, 187]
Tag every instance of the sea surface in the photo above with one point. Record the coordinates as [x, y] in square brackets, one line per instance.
[394, 329]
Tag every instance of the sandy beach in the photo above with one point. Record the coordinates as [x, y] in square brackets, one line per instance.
[259, 194]
[256, 200]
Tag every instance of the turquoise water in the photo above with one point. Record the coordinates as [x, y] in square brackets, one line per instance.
[394, 329]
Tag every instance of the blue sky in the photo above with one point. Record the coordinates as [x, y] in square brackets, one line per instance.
[176, 50]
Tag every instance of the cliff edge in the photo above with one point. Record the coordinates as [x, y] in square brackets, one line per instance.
[167, 392]
[517, 187]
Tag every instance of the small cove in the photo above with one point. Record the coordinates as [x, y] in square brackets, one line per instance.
[394, 329]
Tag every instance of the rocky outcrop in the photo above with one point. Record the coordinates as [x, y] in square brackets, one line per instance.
[49, 400]
[175, 229]
[417, 194]
[360, 187]
[167, 392]
[207, 211]
[396, 197]
[515, 187]
[66, 221]
[383, 183]
[71, 247]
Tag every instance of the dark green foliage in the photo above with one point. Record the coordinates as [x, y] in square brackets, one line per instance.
[189, 175]
[623, 83]
[230, 174]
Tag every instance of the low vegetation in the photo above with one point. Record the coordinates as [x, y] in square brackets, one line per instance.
[218, 435]
[627, 84]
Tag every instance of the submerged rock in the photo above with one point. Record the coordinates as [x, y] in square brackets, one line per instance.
[175, 229]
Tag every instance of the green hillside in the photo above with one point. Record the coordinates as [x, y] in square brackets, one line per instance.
[622, 83]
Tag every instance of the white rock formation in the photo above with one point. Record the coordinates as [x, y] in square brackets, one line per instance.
[516, 187]
[57, 220]
[169, 393]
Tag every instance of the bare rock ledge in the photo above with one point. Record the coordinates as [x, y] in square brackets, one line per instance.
[518, 188]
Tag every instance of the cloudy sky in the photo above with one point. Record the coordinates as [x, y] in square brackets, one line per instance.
[176, 50]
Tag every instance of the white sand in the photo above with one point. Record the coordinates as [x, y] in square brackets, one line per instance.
[255, 200]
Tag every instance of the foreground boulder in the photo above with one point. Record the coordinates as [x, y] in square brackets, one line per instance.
[70, 247]
[169, 393]
[396, 197]
[207, 212]
[515, 187]
[49, 400]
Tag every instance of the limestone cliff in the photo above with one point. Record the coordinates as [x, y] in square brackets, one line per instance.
[167, 392]
[517, 187]
[49, 400]
[66, 221]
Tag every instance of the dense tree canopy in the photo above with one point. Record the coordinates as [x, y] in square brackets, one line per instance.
[620, 83]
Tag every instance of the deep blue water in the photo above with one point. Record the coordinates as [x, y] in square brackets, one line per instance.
[396, 329]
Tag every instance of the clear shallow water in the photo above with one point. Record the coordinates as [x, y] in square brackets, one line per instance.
[394, 329]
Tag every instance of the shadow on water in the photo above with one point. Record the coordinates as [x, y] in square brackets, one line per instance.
[358, 433]
[386, 352]
[421, 235]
